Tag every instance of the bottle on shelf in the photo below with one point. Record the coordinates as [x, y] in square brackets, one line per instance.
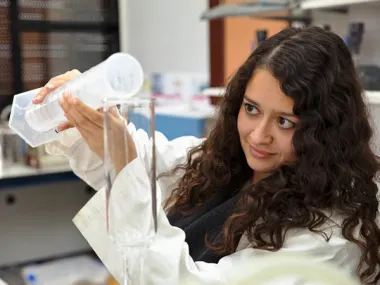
[261, 35]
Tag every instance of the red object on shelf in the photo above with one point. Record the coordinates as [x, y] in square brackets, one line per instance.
[215, 100]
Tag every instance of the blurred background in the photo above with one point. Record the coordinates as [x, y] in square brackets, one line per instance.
[188, 49]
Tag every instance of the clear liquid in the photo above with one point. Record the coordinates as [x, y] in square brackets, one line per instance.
[45, 117]
[49, 114]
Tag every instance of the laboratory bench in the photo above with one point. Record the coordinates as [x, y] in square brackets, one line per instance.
[36, 211]
[23, 175]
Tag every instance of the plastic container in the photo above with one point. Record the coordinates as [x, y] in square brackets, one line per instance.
[120, 75]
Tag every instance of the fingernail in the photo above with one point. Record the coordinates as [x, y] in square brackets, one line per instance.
[49, 85]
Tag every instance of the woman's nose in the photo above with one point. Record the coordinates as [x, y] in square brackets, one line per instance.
[261, 134]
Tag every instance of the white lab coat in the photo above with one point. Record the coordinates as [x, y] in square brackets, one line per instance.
[168, 261]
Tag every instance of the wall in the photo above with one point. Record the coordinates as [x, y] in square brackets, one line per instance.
[240, 32]
[337, 21]
[367, 13]
[168, 35]
[370, 51]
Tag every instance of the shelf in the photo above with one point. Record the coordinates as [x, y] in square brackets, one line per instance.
[242, 9]
[49, 26]
[18, 176]
[321, 4]
[262, 9]
[19, 170]
[372, 96]
[214, 91]
[183, 112]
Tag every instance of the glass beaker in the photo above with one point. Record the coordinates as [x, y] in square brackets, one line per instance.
[121, 116]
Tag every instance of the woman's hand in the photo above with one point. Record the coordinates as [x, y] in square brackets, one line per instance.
[89, 123]
[54, 83]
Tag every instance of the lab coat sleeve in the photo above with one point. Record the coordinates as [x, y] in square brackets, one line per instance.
[168, 261]
[90, 168]
[2, 282]
[83, 162]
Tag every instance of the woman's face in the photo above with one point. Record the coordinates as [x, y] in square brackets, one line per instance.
[266, 124]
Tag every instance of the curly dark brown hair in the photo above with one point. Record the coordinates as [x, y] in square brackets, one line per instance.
[335, 167]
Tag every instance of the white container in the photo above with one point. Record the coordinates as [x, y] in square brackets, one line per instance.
[120, 75]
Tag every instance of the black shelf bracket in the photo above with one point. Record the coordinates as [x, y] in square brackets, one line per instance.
[51, 26]
[16, 47]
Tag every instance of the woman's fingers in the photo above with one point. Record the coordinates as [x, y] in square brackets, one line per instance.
[90, 114]
[88, 122]
[54, 83]
[64, 126]
[80, 114]
[115, 112]
[67, 104]
[43, 93]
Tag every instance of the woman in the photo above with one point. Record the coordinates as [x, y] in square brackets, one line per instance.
[287, 168]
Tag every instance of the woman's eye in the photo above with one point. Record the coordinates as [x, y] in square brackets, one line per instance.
[250, 109]
[285, 123]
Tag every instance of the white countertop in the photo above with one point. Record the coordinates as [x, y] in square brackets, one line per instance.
[373, 96]
[182, 111]
[19, 170]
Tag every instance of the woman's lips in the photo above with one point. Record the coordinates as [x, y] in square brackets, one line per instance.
[261, 154]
